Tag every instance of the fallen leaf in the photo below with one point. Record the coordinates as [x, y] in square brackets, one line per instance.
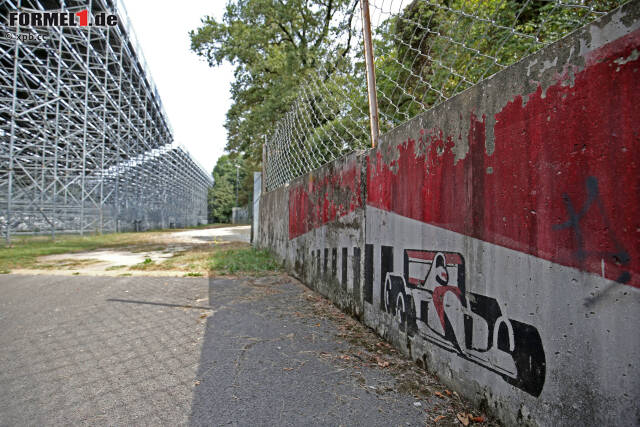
[203, 315]
[448, 393]
[478, 419]
[463, 418]
[440, 395]
[381, 362]
[438, 418]
[287, 369]
[197, 383]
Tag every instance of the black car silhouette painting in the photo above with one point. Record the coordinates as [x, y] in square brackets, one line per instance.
[430, 299]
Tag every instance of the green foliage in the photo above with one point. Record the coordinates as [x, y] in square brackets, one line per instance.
[433, 50]
[148, 263]
[427, 52]
[222, 196]
[245, 260]
[273, 46]
[193, 274]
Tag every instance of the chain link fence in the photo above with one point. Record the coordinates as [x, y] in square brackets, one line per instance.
[425, 51]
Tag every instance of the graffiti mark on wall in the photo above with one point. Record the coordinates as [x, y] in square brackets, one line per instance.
[430, 299]
[569, 133]
[619, 255]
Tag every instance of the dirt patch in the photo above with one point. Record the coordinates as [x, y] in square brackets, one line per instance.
[106, 258]
[240, 233]
[184, 254]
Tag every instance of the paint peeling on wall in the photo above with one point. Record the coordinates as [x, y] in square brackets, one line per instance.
[562, 183]
[485, 228]
[324, 197]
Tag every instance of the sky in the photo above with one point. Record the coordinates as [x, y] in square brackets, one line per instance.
[195, 96]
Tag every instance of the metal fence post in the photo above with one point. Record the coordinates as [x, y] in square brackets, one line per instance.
[371, 73]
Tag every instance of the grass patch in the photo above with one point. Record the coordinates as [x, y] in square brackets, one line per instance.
[193, 274]
[24, 251]
[144, 265]
[243, 260]
[195, 259]
[220, 258]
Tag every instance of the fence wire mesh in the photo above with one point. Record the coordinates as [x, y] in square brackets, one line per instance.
[426, 51]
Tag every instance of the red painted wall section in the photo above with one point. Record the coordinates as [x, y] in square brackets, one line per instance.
[324, 197]
[563, 182]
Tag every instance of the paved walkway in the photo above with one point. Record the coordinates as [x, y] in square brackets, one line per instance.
[169, 351]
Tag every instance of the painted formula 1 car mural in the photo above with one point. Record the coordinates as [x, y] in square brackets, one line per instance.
[430, 300]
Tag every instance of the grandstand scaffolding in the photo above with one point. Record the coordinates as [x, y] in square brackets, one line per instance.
[85, 144]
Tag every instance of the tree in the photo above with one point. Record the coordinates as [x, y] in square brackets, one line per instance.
[222, 196]
[435, 49]
[296, 60]
[274, 45]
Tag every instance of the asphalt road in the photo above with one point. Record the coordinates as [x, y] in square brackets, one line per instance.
[168, 351]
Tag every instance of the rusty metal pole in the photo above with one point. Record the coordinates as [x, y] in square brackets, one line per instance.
[263, 179]
[371, 72]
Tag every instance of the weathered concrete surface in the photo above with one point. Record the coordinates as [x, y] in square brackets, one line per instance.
[502, 233]
[274, 221]
[326, 217]
[526, 187]
[257, 192]
[322, 216]
[177, 351]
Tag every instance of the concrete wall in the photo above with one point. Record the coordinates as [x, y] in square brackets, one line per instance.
[255, 217]
[316, 225]
[497, 236]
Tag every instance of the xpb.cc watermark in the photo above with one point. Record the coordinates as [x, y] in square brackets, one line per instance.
[25, 37]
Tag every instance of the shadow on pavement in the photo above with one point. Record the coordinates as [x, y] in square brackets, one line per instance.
[158, 303]
[267, 358]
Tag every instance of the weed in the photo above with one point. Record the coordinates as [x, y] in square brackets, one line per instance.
[144, 265]
[244, 260]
